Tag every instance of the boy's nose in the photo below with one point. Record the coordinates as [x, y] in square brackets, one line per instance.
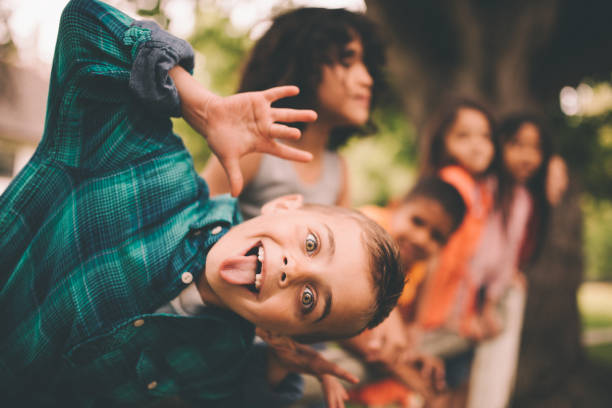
[283, 277]
[290, 270]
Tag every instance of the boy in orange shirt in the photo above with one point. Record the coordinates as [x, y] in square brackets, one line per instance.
[421, 223]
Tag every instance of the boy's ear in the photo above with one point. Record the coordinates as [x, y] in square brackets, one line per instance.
[286, 202]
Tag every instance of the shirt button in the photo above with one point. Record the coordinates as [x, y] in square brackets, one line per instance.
[138, 323]
[152, 385]
[187, 278]
[216, 230]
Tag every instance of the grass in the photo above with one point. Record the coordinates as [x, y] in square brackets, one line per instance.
[602, 354]
[595, 304]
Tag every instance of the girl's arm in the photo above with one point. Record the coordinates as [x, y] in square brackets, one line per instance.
[557, 179]
[344, 197]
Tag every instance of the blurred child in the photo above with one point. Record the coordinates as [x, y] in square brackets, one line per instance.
[421, 224]
[513, 236]
[520, 194]
[123, 282]
[334, 56]
[460, 148]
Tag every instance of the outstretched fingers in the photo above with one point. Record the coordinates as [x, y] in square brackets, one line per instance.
[289, 115]
[278, 131]
[234, 174]
[280, 92]
[324, 366]
[335, 394]
[286, 152]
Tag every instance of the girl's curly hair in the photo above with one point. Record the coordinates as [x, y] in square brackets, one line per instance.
[294, 49]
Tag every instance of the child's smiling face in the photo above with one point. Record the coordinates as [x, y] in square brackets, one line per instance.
[522, 154]
[345, 90]
[468, 141]
[293, 272]
[420, 227]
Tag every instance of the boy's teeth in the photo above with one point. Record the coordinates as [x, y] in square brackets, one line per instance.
[257, 281]
[260, 254]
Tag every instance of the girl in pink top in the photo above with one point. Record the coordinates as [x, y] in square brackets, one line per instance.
[512, 236]
[514, 231]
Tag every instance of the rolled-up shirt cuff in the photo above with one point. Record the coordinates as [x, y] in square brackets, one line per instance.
[149, 79]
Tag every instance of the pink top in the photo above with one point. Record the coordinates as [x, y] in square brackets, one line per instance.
[496, 258]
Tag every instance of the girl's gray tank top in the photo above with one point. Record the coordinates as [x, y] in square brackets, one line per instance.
[276, 177]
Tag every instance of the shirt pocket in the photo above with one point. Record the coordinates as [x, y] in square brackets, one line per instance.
[111, 368]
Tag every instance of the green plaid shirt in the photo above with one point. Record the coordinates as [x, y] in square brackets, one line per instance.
[99, 228]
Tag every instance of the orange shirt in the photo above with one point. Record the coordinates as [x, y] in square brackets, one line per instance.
[450, 280]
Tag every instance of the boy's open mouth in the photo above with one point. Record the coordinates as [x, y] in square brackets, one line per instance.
[246, 270]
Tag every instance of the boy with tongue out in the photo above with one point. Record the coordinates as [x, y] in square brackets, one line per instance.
[123, 282]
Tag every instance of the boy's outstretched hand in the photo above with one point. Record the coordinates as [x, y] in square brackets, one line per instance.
[240, 124]
[285, 355]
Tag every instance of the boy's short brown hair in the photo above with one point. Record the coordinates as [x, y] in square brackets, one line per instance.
[385, 266]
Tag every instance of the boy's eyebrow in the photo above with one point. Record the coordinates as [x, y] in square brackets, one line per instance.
[330, 240]
[328, 305]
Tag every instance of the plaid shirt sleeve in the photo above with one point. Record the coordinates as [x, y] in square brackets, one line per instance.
[102, 115]
[99, 227]
[99, 51]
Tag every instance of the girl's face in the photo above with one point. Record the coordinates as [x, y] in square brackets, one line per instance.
[345, 90]
[522, 154]
[468, 141]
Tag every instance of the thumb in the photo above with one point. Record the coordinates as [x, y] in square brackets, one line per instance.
[234, 175]
[324, 366]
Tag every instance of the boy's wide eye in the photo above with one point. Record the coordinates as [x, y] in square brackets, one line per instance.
[311, 243]
[308, 298]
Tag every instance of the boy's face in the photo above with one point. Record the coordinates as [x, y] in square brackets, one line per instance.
[312, 275]
[420, 227]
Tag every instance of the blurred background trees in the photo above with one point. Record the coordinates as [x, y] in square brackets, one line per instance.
[518, 56]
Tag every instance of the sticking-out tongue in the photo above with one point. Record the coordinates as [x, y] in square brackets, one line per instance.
[239, 270]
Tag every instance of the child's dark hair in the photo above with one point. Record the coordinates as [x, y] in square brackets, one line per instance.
[385, 266]
[433, 138]
[538, 222]
[298, 44]
[442, 192]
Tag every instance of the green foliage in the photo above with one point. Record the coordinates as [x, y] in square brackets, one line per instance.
[601, 353]
[597, 237]
[220, 51]
[222, 48]
[382, 166]
[586, 144]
